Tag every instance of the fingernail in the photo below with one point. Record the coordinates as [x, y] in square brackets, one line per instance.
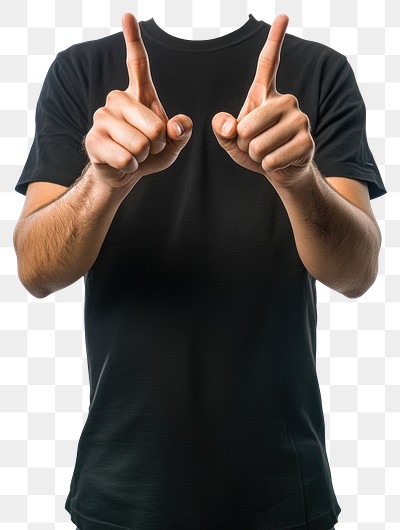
[178, 128]
[228, 125]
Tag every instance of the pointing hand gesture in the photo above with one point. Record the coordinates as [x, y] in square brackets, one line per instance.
[132, 135]
[271, 135]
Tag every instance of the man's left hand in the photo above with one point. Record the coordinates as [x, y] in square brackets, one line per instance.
[271, 135]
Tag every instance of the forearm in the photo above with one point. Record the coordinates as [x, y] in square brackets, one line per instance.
[58, 243]
[337, 242]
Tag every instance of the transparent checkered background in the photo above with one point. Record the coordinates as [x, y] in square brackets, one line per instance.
[44, 392]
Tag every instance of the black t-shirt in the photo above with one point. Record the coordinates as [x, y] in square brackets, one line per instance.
[200, 318]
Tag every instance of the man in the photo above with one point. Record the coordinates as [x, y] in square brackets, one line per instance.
[200, 246]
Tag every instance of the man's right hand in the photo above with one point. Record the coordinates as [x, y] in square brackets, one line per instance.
[131, 135]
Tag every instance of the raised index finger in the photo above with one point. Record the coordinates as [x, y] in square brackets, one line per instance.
[269, 58]
[137, 60]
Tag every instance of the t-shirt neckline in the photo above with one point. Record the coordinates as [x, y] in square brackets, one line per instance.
[250, 27]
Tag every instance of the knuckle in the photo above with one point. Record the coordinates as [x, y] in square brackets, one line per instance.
[269, 163]
[305, 142]
[123, 160]
[136, 62]
[256, 148]
[96, 135]
[113, 96]
[92, 141]
[99, 114]
[141, 146]
[244, 130]
[265, 61]
[308, 142]
[89, 140]
[291, 100]
[302, 119]
[157, 131]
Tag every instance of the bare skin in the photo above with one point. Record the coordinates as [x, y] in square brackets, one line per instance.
[131, 137]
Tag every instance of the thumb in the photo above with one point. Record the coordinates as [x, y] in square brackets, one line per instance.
[224, 126]
[179, 130]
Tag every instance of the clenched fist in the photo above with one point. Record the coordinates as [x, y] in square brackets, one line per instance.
[271, 134]
[131, 135]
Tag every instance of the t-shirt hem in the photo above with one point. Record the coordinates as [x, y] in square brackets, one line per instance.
[323, 521]
[338, 169]
[37, 176]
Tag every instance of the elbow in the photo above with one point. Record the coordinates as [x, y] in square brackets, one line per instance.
[32, 289]
[355, 294]
[371, 275]
[29, 284]
[362, 288]
[38, 294]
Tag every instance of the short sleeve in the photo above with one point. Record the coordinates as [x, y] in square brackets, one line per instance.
[341, 145]
[57, 153]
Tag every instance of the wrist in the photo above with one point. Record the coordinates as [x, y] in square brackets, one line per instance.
[301, 186]
[105, 189]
